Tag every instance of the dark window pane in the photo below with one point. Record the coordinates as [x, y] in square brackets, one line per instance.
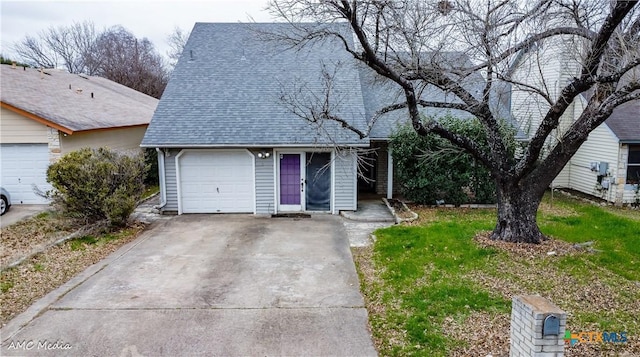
[634, 154]
[318, 190]
[633, 174]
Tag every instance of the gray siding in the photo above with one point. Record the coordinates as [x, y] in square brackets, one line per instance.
[264, 185]
[345, 181]
[171, 181]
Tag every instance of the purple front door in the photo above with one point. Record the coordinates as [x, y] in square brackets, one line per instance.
[290, 179]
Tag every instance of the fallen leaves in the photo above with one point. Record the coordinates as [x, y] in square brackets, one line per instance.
[35, 277]
[549, 247]
[20, 239]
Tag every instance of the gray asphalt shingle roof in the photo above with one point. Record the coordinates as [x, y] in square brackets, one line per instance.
[226, 90]
[47, 95]
[625, 122]
[379, 93]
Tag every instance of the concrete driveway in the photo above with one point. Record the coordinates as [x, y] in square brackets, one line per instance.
[19, 212]
[208, 285]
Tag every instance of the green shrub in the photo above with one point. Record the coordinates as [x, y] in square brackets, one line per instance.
[429, 168]
[151, 159]
[97, 184]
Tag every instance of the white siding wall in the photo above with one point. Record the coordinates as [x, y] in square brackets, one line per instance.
[547, 68]
[564, 177]
[265, 195]
[601, 146]
[345, 180]
[550, 67]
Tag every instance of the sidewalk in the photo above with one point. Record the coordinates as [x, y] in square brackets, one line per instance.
[372, 214]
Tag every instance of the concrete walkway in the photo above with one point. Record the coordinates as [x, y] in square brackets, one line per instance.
[208, 285]
[372, 214]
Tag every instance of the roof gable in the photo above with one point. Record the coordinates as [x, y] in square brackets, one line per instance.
[227, 87]
[72, 102]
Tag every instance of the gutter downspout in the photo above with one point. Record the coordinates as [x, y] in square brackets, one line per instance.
[389, 173]
[163, 189]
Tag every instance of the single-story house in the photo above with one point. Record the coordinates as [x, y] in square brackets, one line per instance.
[48, 113]
[230, 135]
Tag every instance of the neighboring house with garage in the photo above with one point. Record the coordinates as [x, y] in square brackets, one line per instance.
[230, 135]
[48, 113]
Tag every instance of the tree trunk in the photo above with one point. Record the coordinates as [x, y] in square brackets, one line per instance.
[517, 209]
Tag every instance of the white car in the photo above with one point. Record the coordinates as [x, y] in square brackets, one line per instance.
[5, 202]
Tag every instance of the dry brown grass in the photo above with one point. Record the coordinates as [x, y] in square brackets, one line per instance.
[528, 271]
[20, 239]
[35, 277]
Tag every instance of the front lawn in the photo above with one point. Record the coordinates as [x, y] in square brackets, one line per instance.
[438, 287]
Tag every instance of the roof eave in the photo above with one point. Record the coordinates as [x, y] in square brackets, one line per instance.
[239, 146]
[112, 128]
[37, 118]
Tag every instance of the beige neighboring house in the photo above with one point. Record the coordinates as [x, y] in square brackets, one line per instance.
[48, 113]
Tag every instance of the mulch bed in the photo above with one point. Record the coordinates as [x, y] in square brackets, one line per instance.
[548, 247]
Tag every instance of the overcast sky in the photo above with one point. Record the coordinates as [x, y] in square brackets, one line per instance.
[154, 20]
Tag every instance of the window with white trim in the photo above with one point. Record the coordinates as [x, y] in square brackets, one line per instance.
[633, 165]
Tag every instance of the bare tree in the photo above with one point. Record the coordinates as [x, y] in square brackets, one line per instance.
[113, 53]
[36, 53]
[408, 42]
[130, 61]
[176, 40]
[69, 46]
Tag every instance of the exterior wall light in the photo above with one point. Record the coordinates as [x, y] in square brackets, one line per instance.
[264, 154]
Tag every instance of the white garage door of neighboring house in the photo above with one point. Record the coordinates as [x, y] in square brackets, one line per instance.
[216, 181]
[22, 166]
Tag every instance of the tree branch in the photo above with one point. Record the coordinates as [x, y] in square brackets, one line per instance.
[463, 142]
[579, 131]
[587, 34]
[579, 85]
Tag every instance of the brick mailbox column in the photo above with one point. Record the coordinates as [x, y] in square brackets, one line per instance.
[530, 335]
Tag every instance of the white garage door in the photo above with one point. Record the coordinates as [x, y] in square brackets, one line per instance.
[216, 181]
[23, 167]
